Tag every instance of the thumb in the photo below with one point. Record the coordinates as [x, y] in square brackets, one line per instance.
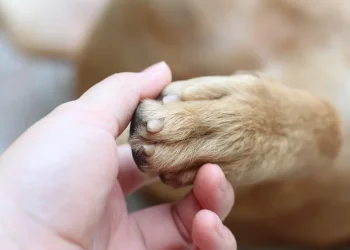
[118, 95]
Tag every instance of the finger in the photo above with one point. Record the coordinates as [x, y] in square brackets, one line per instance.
[118, 95]
[208, 233]
[212, 188]
[172, 224]
[130, 177]
[211, 191]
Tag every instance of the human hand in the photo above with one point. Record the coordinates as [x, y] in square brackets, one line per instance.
[63, 182]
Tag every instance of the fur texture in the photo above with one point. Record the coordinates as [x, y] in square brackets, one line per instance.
[281, 137]
[255, 129]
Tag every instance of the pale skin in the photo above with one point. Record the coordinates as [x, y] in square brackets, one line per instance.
[63, 182]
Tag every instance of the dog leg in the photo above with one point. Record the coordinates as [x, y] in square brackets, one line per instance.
[253, 128]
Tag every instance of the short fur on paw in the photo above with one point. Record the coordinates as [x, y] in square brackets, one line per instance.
[198, 121]
[251, 127]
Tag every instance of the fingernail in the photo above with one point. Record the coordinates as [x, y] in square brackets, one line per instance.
[224, 185]
[155, 67]
[220, 229]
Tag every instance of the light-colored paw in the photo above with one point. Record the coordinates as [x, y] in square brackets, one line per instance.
[207, 119]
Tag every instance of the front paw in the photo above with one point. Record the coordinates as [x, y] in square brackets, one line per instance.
[222, 120]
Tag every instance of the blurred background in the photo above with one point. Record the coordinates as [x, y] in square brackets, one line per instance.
[30, 87]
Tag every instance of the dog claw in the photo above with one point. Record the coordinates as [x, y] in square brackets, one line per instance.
[154, 126]
[170, 99]
[149, 149]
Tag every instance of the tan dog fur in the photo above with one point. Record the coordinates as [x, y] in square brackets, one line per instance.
[255, 129]
[282, 140]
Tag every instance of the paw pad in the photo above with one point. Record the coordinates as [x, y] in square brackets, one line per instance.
[170, 180]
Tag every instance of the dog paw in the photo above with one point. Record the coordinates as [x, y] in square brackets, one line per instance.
[179, 179]
[202, 120]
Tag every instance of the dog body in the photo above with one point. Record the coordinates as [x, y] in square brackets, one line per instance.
[281, 135]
